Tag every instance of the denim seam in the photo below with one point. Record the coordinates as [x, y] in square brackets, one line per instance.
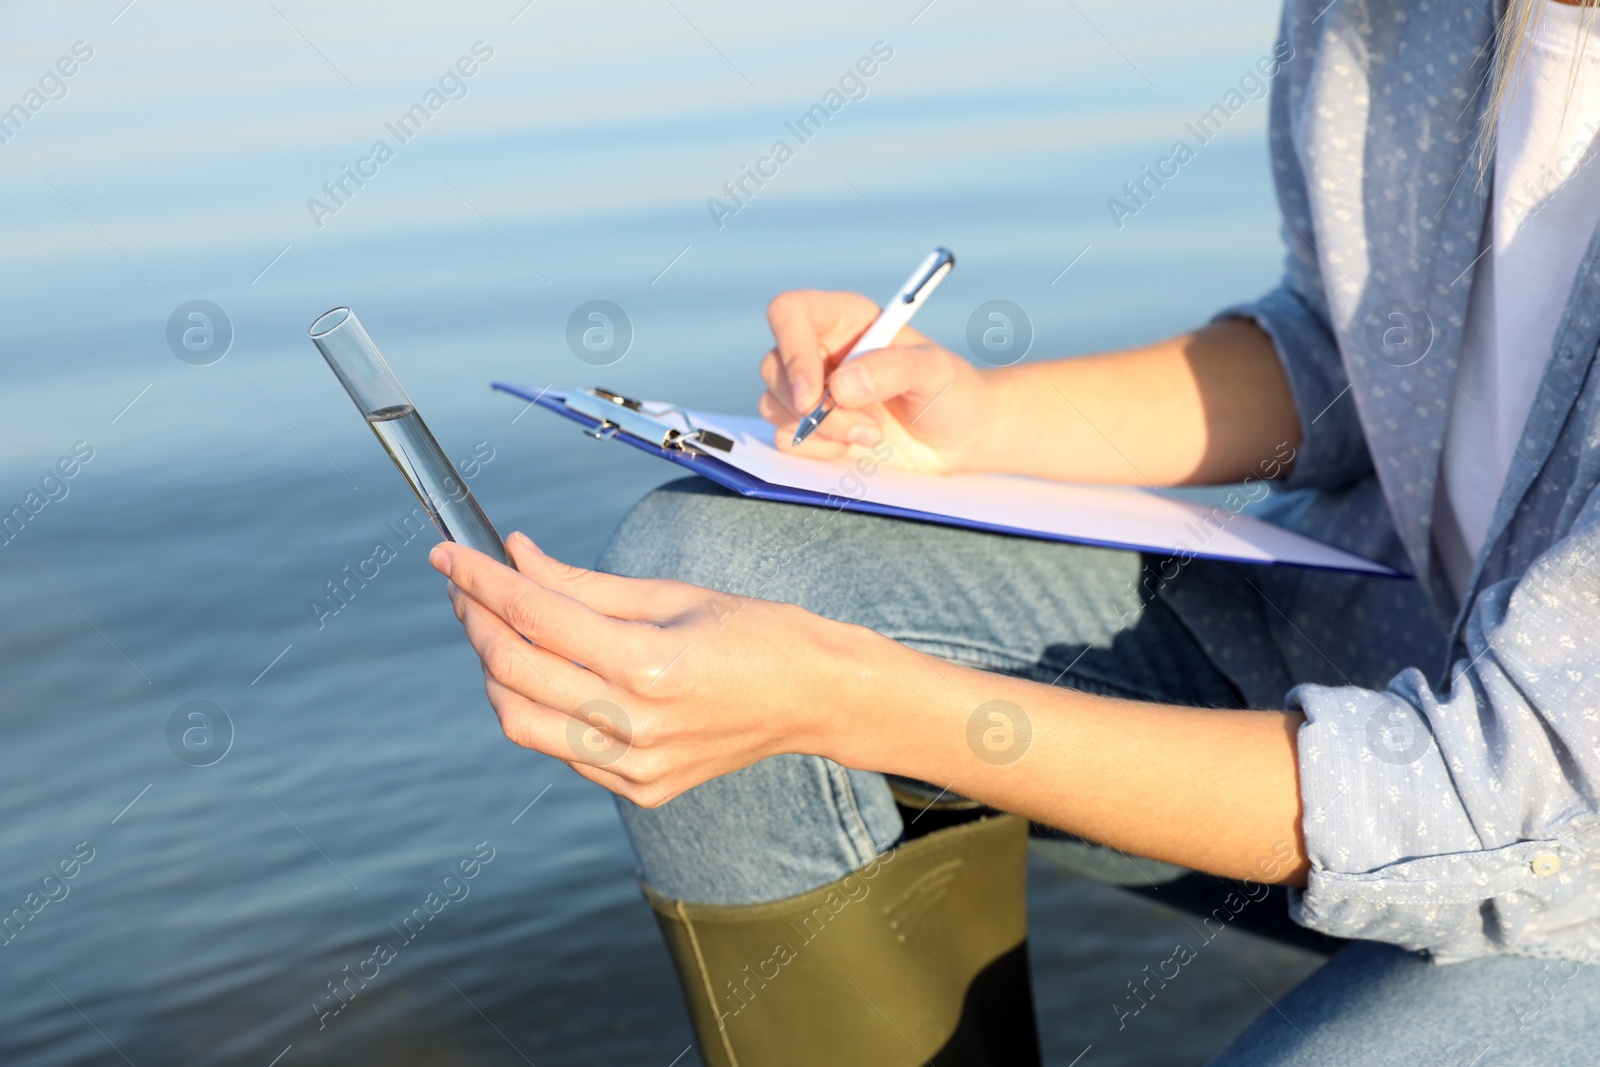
[851, 822]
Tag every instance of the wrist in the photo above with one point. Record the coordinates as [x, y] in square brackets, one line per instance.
[841, 706]
[881, 705]
[983, 451]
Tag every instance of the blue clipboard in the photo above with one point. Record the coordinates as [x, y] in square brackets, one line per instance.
[706, 465]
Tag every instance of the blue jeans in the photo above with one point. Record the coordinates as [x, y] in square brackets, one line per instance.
[1059, 614]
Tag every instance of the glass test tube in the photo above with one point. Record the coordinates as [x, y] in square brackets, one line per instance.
[372, 385]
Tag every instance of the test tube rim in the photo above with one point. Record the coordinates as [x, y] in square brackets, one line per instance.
[346, 317]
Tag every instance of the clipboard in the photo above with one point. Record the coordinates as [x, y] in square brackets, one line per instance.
[730, 450]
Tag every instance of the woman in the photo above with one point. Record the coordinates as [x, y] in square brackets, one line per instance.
[1419, 762]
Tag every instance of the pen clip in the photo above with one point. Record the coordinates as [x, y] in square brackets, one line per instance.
[940, 259]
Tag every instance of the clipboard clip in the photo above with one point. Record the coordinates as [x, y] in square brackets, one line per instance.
[614, 413]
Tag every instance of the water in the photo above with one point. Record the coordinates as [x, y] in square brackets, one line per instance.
[450, 504]
[229, 486]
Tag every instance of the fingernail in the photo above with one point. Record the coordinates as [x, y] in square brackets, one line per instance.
[522, 539]
[865, 436]
[800, 386]
[440, 558]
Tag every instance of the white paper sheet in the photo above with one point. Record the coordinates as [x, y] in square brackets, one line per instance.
[1110, 515]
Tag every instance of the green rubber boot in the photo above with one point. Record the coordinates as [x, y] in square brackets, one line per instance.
[919, 957]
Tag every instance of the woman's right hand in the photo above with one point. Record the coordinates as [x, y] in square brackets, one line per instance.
[925, 402]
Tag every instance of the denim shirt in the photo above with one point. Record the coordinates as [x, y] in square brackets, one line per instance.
[1450, 757]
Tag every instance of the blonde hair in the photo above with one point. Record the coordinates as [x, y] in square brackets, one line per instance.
[1519, 21]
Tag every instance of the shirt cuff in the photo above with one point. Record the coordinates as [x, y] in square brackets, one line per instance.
[1395, 856]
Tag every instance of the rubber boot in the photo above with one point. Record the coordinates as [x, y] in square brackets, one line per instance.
[919, 957]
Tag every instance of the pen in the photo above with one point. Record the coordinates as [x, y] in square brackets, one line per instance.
[895, 314]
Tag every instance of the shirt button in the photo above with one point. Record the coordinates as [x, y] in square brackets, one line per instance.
[1546, 865]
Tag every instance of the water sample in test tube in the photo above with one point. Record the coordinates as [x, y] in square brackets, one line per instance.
[377, 394]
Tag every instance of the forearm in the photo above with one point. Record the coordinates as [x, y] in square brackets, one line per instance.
[1203, 408]
[1214, 790]
[712, 683]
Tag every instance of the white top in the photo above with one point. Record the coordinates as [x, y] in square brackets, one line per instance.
[1544, 208]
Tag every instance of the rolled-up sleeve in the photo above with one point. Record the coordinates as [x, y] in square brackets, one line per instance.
[1464, 823]
[1333, 449]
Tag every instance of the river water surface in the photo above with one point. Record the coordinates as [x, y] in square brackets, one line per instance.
[350, 762]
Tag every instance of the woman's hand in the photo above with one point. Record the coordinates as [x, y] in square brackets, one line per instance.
[651, 687]
[928, 404]
[647, 687]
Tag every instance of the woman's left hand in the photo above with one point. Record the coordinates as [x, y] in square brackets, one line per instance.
[648, 687]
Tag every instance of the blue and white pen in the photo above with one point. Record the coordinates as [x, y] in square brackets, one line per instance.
[895, 314]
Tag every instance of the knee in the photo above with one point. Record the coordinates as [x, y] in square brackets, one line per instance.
[694, 531]
[658, 530]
